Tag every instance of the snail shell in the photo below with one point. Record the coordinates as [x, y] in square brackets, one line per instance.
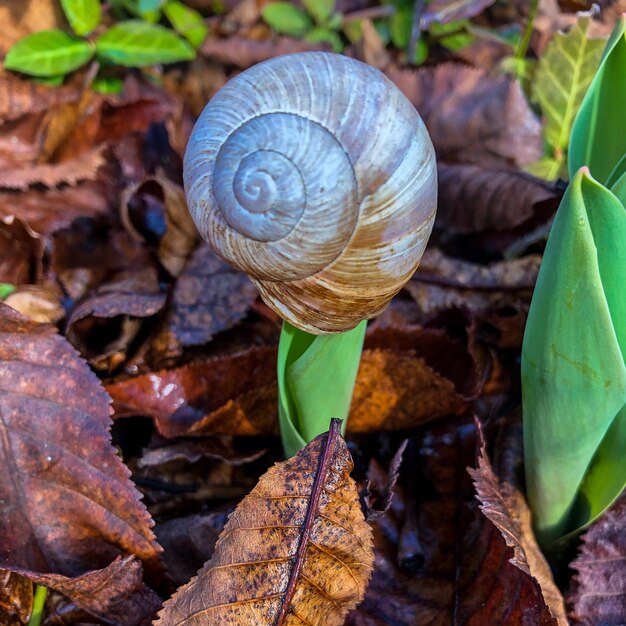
[315, 175]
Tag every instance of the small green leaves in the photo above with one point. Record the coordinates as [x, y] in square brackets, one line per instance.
[316, 375]
[186, 22]
[136, 44]
[319, 10]
[573, 371]
[563, 75]
[598, 139]
[286, 19]
[48, 53]
[83, 15]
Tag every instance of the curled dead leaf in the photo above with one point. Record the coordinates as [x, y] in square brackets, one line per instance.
[16, 599]
[296, 550]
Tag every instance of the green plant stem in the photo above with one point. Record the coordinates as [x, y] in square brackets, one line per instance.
[39, 602]
[316, 375]
[524, 42]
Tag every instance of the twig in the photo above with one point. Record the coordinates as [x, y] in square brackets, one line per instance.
[416, 31]
[524, 42]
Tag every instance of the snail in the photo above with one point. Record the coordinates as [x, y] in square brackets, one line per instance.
[315, 175]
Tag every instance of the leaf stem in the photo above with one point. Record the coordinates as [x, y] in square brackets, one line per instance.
[524, 42]
[38, 605]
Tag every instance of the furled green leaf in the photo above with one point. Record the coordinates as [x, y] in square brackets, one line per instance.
[83, 15]
[619, 188]
[316, 375]
[598, 139]
[48, 53]
[573, 371]
[319, 10]
[563, 75]
[287, 19]
[186, 22]
[136, 44]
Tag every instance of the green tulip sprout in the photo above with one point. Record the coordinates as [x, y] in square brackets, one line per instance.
[574, 350]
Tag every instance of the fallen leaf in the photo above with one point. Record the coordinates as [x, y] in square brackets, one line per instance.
[69, 172]
[472, 117]
[244, 53]
[379, 486]
[116, 594]
[157, 200]
[236, 395]
[296, 548]
[16, 599]
[444, 11]
[20, 19]
[209, 297]
[472, 199]
[21, 252]
[438, 560]
[598, 593]
[188, 542]
[504, 505]
[69, 507]
[40, 303]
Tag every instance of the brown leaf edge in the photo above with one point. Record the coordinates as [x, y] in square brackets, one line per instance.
[506, 508]
[217, 588]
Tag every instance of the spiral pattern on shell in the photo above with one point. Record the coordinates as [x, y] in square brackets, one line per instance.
[315, 175]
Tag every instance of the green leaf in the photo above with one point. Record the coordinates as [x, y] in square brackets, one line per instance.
[400, 25]
[83, 15]
[598, 139]
[547, 168]
[136, 44]
[48, 53]
[562, 77]
[319, 10]
[316, 375]
[186, 22]
[319, 34]
[287, 19]
[619, 188]
[6, 289]
[573, 371]
[149, 10]
[108, 85]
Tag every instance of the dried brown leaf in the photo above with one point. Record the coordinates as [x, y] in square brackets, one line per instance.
[236, 395]
[68, 507]
[472, 117]
[21, 251]
[69, 172]
[16, 599]
[380, 484]
[243, 53]
[504, 505]
[40, 303]
[438, 560]
[598, 594]
[296, 550]
[209, 297]
[158, 199]
[116, 594]
[472, 199]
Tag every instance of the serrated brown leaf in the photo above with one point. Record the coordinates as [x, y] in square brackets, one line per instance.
[209, 297]
[438, 560]
[472, 199]
[16, 599]
[116, 594]
[157, 199]
[598, 593]
[68, 507]
[236, 395]
[472, 117]
[296, 550]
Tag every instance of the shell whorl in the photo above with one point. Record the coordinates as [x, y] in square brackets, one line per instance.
[315, 175]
